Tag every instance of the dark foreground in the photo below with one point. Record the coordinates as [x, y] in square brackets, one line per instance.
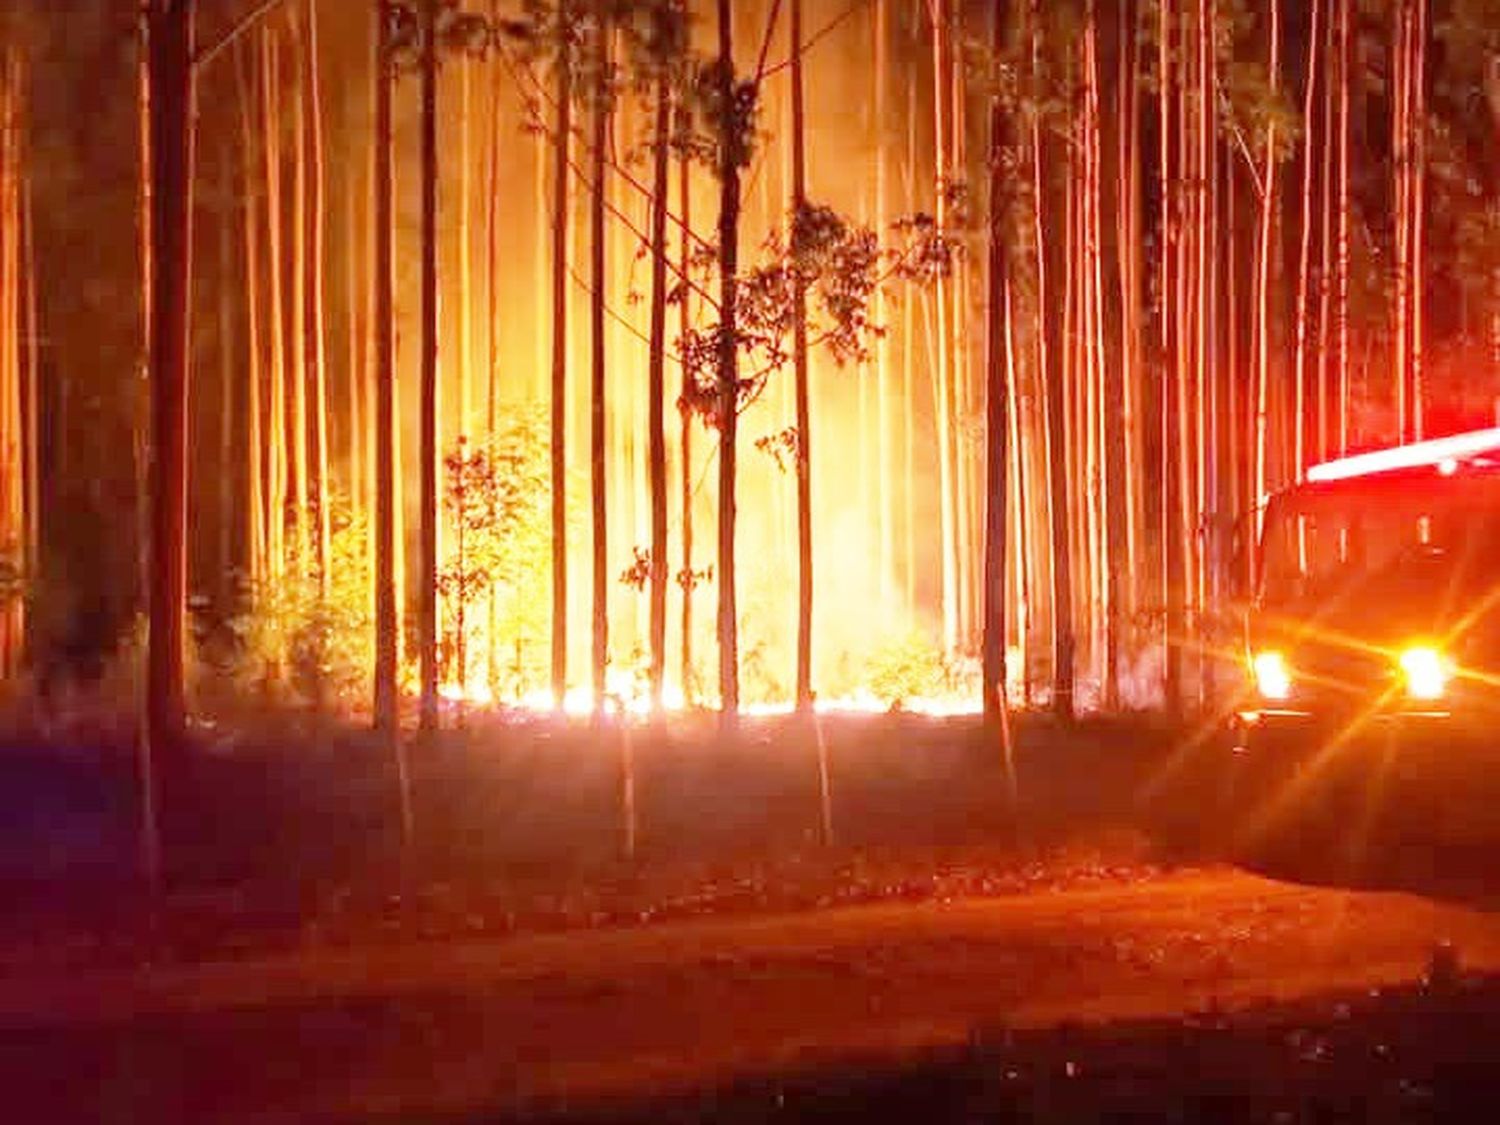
[1408, 1055]
[1080, 953]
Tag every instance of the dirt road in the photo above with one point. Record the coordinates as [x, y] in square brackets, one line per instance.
[552, 1019]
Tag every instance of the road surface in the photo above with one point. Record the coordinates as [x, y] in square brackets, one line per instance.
[563, 1019]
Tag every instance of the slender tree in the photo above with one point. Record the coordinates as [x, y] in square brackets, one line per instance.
[1050, 198]
[559, 385]
[687, 577]
[799, 360]
[171, 154]
[731, 129]
[996, 390]
[17, 406]
[427, 623]
[387, 621]
[661, 158]
[602, 111]
[315, 342]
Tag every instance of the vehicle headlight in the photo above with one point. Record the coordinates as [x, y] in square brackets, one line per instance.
[1273, 678]
[1427, 672]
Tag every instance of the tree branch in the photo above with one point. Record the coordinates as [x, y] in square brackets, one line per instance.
[230, 37]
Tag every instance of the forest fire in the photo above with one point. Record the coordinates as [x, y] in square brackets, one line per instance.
[627, 695]
[576, 525]
[526, 374]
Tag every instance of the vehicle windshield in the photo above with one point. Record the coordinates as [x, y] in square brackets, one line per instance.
[1380, 545]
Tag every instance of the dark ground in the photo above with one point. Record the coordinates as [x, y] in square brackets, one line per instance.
[520, 825]
[288, 841]
[1411, 1055]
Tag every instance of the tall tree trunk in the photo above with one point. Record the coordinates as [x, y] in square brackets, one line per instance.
[172, 88]
[1408, 111]
[141, 387]
[15, 542]
[1325, 370]
[30, 347]
[316, 343]
[1173, 567]
[255, 490]
[1304, 252]
[947, 489]
[661, 185]
[559, 386]
[463, 408]
[687, 578]
[299, 432]
[885, 419]
[427, 617]
[599, 281]
[732, 146]
[387, 618]
[1051, 197]
[492, 335]
[1418, 197]
[1265, 249]
[1341, 260]
[1132, 355]
[223, 516]
[276, 314]
[799, 361]
[997, 422]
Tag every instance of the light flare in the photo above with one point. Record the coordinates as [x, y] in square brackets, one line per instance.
[1273, 678]
[1427, 672]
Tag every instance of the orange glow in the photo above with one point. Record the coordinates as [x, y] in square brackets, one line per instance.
[1427, 672]
[628, 696]
[1273, 679]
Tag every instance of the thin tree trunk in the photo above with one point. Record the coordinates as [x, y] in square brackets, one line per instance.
[427, 617]
[804, 696]
[731, 161]
[1401, 188]
[947, 499]
[687, 578]
[559, 388]
[255, 491]
[1325, 371]
[1132, 358]
[141, 387]
[908, 380]
[599, 281]
[29, 347]
[171, 39]
[1051, 194]
[887, 512]
[1418, 121]
[224, 552]
[387, 620]
[1304, 253]
[14, 546]
[657, 377]
[997, 422]
[463, 204]
[276, 315]
[1263, 254]
[1346, 58]
[299, 433]
[317, 335]
[1171, 476]
[492, 320]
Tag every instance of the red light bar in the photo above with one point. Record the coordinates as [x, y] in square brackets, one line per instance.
[1442, 453]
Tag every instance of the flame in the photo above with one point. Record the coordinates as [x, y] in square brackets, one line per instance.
[628, 692]
[625, 695]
